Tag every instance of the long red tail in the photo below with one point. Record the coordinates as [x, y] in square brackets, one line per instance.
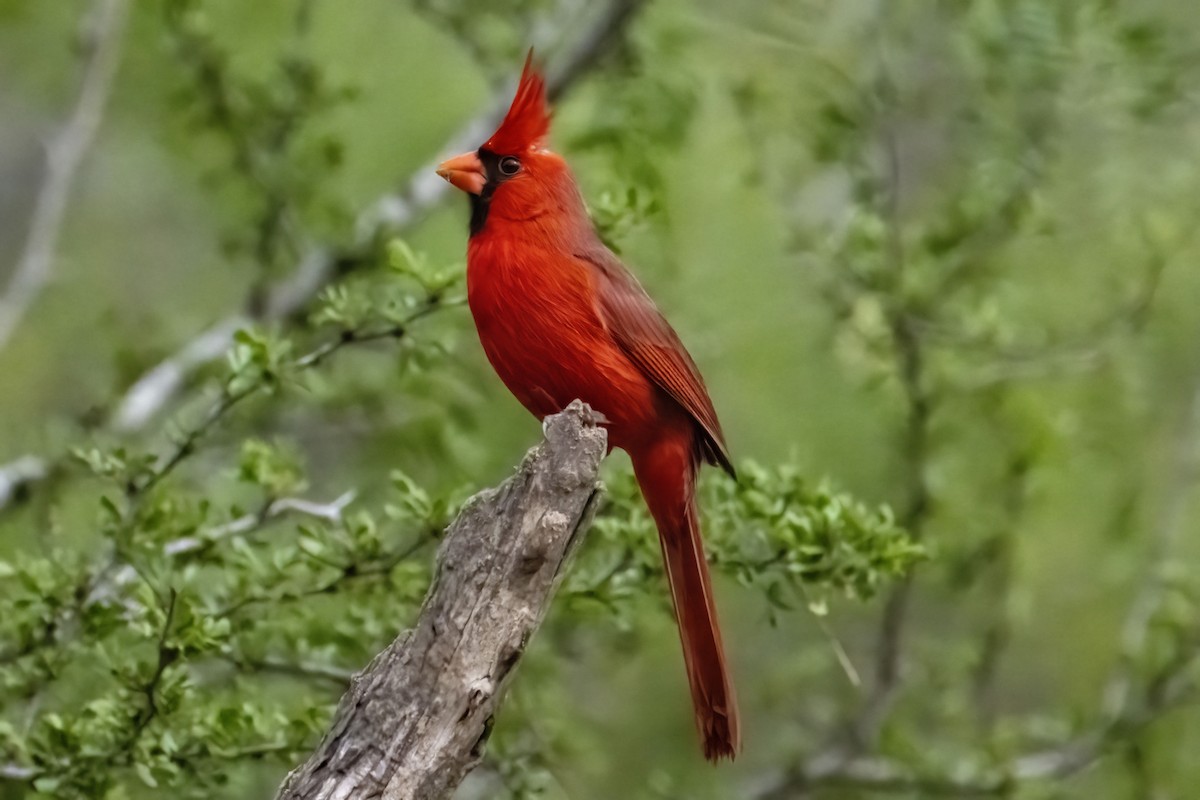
[666, 473]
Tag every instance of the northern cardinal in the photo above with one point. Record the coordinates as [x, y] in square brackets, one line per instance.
[560, 317]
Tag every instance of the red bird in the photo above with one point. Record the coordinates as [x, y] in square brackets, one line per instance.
[560, 317]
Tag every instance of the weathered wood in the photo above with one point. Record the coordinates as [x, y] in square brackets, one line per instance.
[415, 721]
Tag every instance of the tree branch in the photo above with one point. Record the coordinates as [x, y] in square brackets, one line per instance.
[415, 721]
[64, 154]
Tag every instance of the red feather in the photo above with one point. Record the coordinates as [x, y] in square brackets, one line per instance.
[528, 119]
[644, 333]
[560, 317]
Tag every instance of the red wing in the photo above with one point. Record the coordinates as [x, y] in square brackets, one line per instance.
[650, 342]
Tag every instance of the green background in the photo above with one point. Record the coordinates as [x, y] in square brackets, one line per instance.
[780, 155]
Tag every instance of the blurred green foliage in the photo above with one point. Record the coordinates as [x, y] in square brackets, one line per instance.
[938, 252]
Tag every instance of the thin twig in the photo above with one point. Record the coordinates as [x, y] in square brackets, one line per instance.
[345, 574]
[64, 154]
[187, 445]
[327, 673]
[167, 656]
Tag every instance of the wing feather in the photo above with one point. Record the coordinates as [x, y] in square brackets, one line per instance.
[652, 344]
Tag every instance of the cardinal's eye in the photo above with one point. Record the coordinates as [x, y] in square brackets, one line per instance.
[509, 165]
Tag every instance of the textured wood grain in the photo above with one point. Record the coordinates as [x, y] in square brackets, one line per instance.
[415, 721]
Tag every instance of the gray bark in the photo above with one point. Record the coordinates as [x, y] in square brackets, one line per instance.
[415, 721]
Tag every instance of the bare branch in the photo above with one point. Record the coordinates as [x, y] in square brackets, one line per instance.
[64, 153]
[415, 721]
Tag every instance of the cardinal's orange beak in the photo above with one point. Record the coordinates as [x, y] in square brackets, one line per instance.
[465, 171]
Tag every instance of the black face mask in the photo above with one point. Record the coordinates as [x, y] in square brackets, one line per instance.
[497, 169]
